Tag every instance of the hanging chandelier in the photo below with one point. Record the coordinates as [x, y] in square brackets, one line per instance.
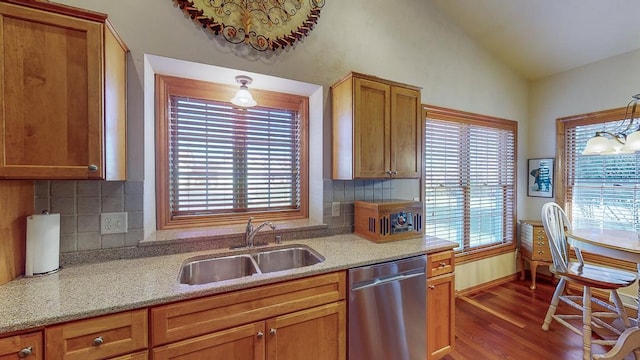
[626, 141]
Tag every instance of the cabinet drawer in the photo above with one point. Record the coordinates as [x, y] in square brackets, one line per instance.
[192, 318]
[28, 346]
[98, 338]
[540, 245]
[541, 251]
[440, 263]
[142, 355]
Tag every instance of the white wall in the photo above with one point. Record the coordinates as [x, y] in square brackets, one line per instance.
[407, 41]
[602, 85]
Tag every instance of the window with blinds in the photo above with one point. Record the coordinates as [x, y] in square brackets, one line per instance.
[601, 191]
[470, 178]
[222, 160]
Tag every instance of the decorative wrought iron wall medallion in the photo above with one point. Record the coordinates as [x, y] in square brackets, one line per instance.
[262, 24]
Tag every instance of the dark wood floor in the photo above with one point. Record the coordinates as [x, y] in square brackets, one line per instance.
[514, 330]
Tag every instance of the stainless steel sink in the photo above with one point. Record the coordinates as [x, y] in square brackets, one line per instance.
[206, 270]
[285, 259]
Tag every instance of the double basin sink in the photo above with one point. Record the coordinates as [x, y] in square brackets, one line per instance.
[200, 270]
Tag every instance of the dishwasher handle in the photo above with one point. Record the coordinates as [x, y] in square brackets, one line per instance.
[385, 280]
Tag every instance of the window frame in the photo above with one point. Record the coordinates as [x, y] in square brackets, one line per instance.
[440, 113]
[562, 124]
[167, 86]
[569, 122]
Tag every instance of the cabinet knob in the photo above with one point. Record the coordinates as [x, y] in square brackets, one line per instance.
[260, 334]
[272, 331]
[540, 252]
[442, 265]
[98, 341]
[395, 172]
[388, 172]
[25, 352]
[540, 243]
[432, 287]
[93, 167]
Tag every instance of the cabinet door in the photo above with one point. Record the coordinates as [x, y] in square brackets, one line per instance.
[314, 334]
[25, 346]
[440, 316]
[371, 129]
[51, 93]
[406, 133]
[240, 343]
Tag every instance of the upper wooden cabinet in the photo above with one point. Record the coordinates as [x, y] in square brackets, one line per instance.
[377, 129]
[63, 93]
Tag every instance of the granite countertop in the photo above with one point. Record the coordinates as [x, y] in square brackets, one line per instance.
[88, 290]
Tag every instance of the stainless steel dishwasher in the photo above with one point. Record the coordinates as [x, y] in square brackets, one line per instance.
[387, 310]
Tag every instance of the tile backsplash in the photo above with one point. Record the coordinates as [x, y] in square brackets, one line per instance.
[80, 204]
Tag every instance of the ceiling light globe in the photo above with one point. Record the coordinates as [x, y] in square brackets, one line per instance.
[633, 142]
[615, 148]
[597, 145]
[243, 98]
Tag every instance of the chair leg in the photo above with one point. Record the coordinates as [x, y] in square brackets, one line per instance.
[586, 323]
[620, 309]
[554, 304]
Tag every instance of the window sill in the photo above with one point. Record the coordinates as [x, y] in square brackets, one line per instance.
[485, 253]
[233, 235]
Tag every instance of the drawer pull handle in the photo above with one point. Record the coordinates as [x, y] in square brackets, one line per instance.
[540, 243]
[432, 287]
[540, 252]
[98, 341]
[272, 331]
[260, 334]
[25, 352]
[442, 265]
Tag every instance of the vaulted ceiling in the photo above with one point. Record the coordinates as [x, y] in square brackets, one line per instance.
[538, 38]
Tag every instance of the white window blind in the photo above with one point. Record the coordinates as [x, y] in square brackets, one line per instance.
[469, 183]
[600, 191]
[223, 159]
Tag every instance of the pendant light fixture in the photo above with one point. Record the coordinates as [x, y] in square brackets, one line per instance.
[243, 97]
[626, 141]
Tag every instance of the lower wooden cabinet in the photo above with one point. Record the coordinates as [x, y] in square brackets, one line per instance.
[313, 334]
[244, 342]
[98, 338]
[24, 346]
[298, 319]
[140, 355]
[440, 304]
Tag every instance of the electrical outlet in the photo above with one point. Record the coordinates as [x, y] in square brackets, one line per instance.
[335, 209]
[113, 223]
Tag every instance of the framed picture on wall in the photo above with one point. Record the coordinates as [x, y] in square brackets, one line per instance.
[540, 179]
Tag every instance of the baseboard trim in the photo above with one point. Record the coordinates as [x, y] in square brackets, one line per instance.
[487, 285]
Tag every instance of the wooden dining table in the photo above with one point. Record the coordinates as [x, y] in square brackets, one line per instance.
[617, 244]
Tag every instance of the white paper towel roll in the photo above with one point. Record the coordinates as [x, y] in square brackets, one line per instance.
[43, 244]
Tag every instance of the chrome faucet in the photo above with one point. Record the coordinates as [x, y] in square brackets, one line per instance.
[250, 232]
